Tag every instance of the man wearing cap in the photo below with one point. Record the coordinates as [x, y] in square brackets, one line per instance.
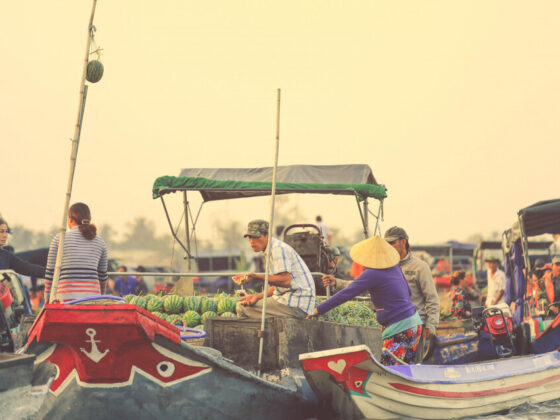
[419, 278]
[496, 283]
[292, 289]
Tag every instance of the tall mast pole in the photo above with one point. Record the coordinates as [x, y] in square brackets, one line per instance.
[270, 230]
[73, 157]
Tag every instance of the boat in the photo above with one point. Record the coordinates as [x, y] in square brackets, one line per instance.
[118, 360]
[351, 384]
[540, 328]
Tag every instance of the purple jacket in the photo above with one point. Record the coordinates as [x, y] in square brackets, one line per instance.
[389, 293]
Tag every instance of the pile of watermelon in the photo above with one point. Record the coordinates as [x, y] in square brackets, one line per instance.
[351, 313]
[190, 311]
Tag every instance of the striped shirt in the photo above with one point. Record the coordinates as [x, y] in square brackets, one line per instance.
[83, 270]
[301, 293]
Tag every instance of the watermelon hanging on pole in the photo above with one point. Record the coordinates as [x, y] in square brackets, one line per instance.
[94, 71]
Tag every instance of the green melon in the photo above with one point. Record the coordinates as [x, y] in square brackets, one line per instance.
[128, 298]
[173, 317]
[138, 301]
[155, 304]
[228, 315]
[208, 305]
[192, 318]
[226, 305]
[94, 71]
[192, 303]
[200, 327]
[208, 314]
[173, 304]
[158, 314]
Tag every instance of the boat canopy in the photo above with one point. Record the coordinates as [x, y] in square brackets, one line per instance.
[541, 217]
[227, 183]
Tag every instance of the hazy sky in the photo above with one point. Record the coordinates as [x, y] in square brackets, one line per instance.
[454, 105]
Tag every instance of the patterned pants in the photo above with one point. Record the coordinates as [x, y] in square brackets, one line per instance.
[400, 348]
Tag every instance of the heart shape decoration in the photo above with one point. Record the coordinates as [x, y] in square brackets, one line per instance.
[337, 366]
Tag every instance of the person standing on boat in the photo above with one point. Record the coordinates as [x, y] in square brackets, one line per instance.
[552, 283]
[141, 286]
[292, 289]
[8, 261]
[462, 295]
[325, 231]
[391, 296]
[83, 270]
[496, 283]
[124, 285]
[419, 277]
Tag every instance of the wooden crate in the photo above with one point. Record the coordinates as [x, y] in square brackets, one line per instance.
[238, 340]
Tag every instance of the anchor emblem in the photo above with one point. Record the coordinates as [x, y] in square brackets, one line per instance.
[94, 354]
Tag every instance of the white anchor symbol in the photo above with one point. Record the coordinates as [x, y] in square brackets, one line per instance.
[94, 354]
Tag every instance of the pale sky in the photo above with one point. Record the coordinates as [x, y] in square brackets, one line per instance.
[454, 105]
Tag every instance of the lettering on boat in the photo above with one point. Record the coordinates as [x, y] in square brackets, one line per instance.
[451, 373]
[479, 368]
[542, 361]
[94, 354]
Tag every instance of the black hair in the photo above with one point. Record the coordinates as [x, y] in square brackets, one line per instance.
[318, 219]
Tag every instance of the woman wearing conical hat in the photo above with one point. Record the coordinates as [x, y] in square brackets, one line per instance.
[390, 294]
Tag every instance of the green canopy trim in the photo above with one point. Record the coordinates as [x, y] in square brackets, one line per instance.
[221, 190]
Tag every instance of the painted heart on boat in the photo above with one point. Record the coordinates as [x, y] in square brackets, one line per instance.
[337, 366]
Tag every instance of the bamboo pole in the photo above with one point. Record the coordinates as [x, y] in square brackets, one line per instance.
[270, 230]
[73, 158]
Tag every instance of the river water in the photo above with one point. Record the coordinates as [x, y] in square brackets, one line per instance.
[547, 410]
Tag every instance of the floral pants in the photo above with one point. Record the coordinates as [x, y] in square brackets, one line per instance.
[400, 348]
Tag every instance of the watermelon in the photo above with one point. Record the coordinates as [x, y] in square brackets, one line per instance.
[128, 298]
[226, 305]
[155, 304]
[158, 314]
[173, 318]
[138, 301]
[149, 297]
[192, 303]
[173, 304]
[208, 314]
[199, 327]
[228, 315]
[208, 305]
[94, 71]
[192, 318]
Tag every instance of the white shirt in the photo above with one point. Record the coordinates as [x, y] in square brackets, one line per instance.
[496, 283]
[301, 293]
[325, 232]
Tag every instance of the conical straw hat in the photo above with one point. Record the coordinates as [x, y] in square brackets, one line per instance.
[375, 252]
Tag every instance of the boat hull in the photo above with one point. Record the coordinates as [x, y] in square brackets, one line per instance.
[354, 385]
[121, 361]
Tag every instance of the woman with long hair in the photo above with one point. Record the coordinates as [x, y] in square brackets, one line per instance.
[9, 261]
[83, 270]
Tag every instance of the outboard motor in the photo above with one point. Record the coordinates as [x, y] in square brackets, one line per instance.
[498, 326]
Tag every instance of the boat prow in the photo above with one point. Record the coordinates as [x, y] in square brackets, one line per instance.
[121, 361]
[352, 384]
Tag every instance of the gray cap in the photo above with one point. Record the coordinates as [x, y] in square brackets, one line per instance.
[395, 233]
[556, 259]
[257, 228]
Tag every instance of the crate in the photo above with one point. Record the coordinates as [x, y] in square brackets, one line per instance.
[238, 340]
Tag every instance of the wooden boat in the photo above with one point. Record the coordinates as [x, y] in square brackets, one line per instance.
[350, 384]
[119, 360]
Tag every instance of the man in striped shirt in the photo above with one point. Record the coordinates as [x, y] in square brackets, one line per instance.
[292, 289]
